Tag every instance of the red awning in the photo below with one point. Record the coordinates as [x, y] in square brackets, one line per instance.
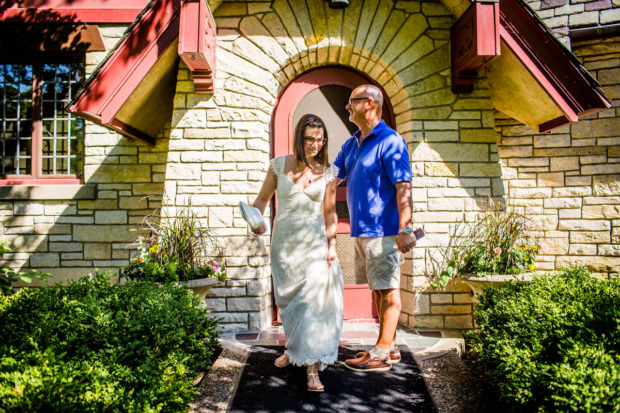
[535, 79]
[132, 90]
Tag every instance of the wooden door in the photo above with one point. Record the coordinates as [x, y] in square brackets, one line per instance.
[325, 92]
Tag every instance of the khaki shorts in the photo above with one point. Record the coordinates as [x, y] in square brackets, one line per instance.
[377, 262]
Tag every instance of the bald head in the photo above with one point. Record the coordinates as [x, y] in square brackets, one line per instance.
[370, 91]
[364, 107]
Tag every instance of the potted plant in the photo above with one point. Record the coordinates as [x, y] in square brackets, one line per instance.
[494, 248]
[177, 249]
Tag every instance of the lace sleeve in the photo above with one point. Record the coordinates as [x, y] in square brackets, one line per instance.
[276, 165]
[331, 173]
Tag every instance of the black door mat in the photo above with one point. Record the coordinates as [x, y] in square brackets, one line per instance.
[266, 388]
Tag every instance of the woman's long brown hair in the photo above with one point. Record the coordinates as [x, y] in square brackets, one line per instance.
[298, 142]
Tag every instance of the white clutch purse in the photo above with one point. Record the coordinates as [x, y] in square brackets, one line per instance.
[251, 215]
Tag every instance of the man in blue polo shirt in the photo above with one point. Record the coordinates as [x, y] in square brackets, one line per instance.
[375, 162]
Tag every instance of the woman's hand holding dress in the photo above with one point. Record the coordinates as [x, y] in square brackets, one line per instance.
[331, 254]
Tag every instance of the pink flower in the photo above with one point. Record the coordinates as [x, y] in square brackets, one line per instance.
[497, 250]
[215, 266]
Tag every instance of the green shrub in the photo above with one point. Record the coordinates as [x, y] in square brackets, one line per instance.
[552, 345]
[96, 346]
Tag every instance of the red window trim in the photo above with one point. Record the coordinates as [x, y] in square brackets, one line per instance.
[70, 180]
[36, 157]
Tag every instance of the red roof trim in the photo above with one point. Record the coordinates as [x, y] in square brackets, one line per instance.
[73, 15]
[558, 71]
[120, 127]
[512, 41]
[155, 29]
[40, 181]
[113, 83]
[86, 11]
[130, 69]
[197, 43]
[475, 42]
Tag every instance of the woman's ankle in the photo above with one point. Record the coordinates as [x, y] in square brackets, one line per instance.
[312, 369]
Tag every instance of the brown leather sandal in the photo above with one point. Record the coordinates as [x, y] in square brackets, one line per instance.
[282, 361]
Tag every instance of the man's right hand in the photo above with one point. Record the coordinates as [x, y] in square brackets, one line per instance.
[259, 230]
[404, 242]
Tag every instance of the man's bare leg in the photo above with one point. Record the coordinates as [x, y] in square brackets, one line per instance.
[377, 297]
[388, 317]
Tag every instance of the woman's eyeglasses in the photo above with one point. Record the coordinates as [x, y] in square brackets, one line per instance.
[309, 141]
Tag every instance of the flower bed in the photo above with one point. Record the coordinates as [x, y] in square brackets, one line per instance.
[178, 249]
[497, 243]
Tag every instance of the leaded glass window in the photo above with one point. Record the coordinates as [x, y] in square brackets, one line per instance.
[39, 138]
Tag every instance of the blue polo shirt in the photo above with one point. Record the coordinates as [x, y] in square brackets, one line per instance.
[372, 169]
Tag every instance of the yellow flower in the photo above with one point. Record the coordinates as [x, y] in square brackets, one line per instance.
[154, 249]
[533, 247]
[531, 268]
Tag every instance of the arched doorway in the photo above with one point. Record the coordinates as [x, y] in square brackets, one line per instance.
[325, 91]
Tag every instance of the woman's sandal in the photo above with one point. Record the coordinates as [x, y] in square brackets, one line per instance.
[314, 384]
[282, 361]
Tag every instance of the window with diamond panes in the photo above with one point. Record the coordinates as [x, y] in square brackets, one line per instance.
[40, 139]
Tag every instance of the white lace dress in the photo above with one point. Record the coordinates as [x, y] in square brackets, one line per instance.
[307, 291]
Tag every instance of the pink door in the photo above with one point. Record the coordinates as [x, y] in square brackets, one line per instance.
[325, 91]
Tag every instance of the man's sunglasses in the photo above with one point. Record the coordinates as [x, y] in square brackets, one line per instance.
[354, 99]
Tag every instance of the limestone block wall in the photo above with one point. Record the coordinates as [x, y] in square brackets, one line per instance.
[220, 145]
[70, 231]
[216, 149]
[568, 181]
[563, 15]
[217, 156]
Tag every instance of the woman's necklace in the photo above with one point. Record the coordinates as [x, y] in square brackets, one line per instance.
[305, 174]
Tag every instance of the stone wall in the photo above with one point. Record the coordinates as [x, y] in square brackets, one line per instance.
[218, 155]
[262, 46]
[70, 231]
[216, 149]
[561, 16]
[568, 181]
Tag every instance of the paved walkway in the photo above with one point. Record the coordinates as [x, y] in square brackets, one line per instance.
[218, 387]
[422, 342]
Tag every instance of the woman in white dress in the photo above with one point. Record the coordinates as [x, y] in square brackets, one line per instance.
[306, 274]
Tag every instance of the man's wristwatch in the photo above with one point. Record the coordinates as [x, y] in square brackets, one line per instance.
[407, 230]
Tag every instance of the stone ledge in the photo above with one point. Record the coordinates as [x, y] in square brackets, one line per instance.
[46, 192]
[201, 282]
[201, 286]
[477, 284]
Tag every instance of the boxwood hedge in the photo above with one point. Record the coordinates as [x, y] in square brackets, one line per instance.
[96, 346]
[552, 345]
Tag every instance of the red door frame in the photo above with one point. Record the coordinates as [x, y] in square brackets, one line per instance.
[282, 120]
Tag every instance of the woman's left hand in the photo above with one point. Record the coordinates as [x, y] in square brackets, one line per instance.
[331, 254]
